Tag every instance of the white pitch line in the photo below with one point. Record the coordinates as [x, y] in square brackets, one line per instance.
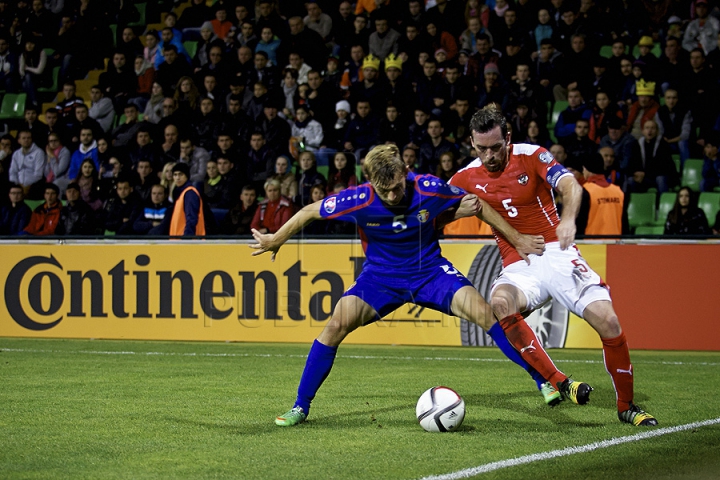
[355, 357]
[536, 457]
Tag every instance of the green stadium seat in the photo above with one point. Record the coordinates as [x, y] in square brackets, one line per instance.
[13, 106]
[109, 233]
[33, 204]
[606, 51]
[559, 106]
[667, 202]
[141, 8]
[323, 170]
[692, 174]
[646, 230]
[54, 87]
[641, 210]
[113, 31]
[710, 203]
[676, 160]
[190, 48]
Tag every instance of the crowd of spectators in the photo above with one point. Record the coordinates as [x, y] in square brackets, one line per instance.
[279, 100]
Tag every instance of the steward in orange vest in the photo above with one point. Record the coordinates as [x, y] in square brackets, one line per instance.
[187, 217]
[605, 216]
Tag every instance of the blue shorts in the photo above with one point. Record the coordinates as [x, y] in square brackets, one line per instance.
[432, 287]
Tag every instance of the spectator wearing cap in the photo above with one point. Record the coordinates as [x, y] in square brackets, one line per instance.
[703, 31]
[334, 137]
[512, 58]
[605, 213]
[369, 88]
[275, 129]
[492, 89]
[645, 46]
[643, 109]
[187, 218]
[384, 40]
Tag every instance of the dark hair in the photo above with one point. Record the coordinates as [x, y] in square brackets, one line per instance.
[262, 53]
[170, 46]
[52, 187]
[487, 119]
[674, 214]
[293, 73]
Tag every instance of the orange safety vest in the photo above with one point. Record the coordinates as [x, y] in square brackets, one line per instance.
[606, 207]
[177, 222]
[467, 226]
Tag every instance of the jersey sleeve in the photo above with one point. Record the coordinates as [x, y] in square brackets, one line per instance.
[347, 205]
[549, 168]
[438, 194]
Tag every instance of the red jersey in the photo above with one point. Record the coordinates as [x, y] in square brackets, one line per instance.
[522, 193]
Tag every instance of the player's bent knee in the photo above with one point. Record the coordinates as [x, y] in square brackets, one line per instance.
[501, 306]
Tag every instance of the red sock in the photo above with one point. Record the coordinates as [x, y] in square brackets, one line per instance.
[617, 364]
[522, 337]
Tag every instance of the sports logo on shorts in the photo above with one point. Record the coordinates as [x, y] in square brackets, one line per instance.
[423, 216]
[546, 157]
[523, 179]
[330, 204]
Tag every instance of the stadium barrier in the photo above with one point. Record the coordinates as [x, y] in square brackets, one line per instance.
[216, 291]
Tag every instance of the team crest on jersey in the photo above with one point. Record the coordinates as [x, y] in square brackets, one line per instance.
[423, 216]
[455, 189]
[522, 179]
[330, 204]
[546, 157]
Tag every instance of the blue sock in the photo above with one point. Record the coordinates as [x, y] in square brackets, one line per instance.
[498, 335]
[317, 367]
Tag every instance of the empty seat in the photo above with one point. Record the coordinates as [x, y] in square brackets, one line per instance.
[692, 174]
[710, 203]
[645, 230]
[667, 202]
[641, 210]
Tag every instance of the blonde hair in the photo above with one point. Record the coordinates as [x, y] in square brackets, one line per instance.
[169, 184]
[383, 164]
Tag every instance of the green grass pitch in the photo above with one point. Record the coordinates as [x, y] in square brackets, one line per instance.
[109, 409]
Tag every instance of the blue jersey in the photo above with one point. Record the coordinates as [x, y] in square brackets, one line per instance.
[402, 237]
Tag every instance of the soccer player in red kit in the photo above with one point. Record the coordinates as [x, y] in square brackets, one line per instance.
[517, 180]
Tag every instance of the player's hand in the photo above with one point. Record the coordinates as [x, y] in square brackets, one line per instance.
[530, 245]
[264, 244]
[469, 206]
[566, 233]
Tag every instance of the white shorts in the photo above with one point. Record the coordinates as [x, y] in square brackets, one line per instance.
[563, 275]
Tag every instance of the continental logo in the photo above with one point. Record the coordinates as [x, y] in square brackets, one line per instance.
[40, 292]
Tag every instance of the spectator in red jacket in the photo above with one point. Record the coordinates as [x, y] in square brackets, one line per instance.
[274, 211]
[45, 218]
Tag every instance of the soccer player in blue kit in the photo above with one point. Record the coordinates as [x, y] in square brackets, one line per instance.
[396, 214]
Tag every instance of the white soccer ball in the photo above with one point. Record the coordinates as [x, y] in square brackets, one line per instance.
[440, 409]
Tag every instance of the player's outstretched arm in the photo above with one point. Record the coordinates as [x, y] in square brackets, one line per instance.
[571, 192]
[524, 244]
[271, 242]
[468, 207]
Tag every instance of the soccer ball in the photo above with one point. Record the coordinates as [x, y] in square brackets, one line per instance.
[440, 409]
